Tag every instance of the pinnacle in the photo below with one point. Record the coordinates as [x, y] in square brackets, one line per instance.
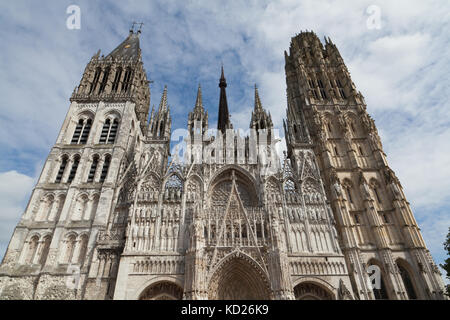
[258, 105]
[199, 101]
[163, 103]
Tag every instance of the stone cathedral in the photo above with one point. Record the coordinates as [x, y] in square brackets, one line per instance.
[116, 215]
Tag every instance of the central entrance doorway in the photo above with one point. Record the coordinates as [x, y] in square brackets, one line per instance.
[237, 279]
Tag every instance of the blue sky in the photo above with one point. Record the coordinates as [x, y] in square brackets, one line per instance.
[402, 69]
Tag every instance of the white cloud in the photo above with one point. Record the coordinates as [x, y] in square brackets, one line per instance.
[15, 188]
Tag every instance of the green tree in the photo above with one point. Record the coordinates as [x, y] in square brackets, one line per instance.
[446, 265]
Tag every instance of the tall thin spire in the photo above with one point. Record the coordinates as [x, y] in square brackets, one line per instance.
[223, 122]
[163, 103]
[199, 101]
[258, 105]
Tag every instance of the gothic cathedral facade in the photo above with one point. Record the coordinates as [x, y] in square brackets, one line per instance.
[115, 215]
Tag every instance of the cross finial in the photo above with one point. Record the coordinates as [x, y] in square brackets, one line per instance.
[135, 24]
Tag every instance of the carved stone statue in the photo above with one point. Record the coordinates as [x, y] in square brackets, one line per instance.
[337, 188]
[364, 186]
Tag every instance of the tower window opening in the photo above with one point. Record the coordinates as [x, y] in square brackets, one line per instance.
[113, 132]
[322, 89]
[361, 153]
[336, 153]
[341, 90]
[349, 194]
[105, 168]
[109, 131]
[93, 169]
[312, 89]
[377, 196]
[95, 80]
[105, 131]
[161, 130]
[329, 127]
[77, 133]
[356, 218]
[381, 294]
[82, 130]
[85, 131]
[385, 218]
[127, 80]
[115, 85]
[32, 248]
[62, 167]
[73, 171]
[104, 80]
[407, 282]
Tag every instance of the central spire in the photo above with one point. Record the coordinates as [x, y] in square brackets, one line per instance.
[223, 122]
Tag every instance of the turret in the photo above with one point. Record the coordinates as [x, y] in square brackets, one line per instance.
[161, 121]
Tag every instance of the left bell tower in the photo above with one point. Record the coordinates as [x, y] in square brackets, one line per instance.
[58, 248]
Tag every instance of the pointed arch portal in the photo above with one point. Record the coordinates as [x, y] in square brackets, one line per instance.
[237, 279]
[312, 291]
[163, 290]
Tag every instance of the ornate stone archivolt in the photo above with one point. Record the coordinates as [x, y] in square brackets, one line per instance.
[163, 290]
[149, 189]
[312, 291]
[238, 277]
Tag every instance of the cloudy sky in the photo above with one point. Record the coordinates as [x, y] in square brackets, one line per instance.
[400, 62]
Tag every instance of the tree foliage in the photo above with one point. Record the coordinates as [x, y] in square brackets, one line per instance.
[446, 265]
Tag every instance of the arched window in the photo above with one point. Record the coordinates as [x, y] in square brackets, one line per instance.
[44, 250]
[407, 282]
[57, 208]
[127, 80]
[45, 208]
[336, 152]
[379, 293]
[85, 131]
[312, 88]
[73, 171]
[361, 153]
[376, 191]
[70, 248]
[105, 131]
[321, 89]
[62, 167]
[161, 129]
[113, 132]
[95, 80]
[93, 168]
[109, 131]
[377, 196]
[82, 130]
[115, 85]
[81, 205]
[352, 127]
[92, 209]
[341, 89]
[83, 249]
[77, 133]
[31, 251]
[349, 193]
[104, 80]
[105, 168]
